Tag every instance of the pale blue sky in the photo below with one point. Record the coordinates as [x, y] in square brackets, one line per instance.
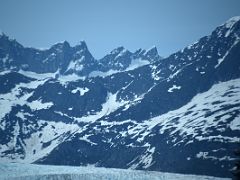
[107, 24]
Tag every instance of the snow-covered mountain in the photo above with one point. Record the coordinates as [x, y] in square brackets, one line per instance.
[136, 110]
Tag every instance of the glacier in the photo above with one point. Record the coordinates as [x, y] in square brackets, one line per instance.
[18, 171]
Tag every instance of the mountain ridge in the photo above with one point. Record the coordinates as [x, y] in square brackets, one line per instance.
[62, 55]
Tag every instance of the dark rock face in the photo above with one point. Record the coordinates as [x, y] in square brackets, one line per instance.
[65, 59]
[126, 110]
[60, 57]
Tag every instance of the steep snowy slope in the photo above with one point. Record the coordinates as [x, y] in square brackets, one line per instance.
[201, 134]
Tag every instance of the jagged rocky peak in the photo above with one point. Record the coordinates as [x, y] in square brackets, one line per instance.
[140, 51]
[230, 23]
[2, 34]
[151, 52]
[230, 27]
[117, 54]
[61, 46]
[6, 42]
[82, 45]
[81, 49]
[4, 39]
[118, 50]
[117, 59]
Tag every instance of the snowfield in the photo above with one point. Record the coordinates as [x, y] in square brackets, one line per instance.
[14, 171]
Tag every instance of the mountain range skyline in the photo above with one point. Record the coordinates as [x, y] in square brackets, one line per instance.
[170, 25]
[80, 43]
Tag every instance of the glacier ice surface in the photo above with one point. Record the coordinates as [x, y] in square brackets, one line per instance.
[17, 171]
